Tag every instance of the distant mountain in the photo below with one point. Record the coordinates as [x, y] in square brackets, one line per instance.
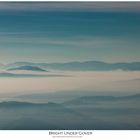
[17, 104]
[85, 113]
[78, 66]
[95, 66]
[15, 75]
[87, 100]
[6, 74]
[74, 66]
[34, 116]
[28, 68]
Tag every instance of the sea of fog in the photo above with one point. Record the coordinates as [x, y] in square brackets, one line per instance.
[110, 82]
[71, 100]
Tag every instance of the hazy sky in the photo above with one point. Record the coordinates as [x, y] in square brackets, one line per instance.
[54, 32]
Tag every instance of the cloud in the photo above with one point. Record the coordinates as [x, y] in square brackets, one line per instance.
[70, 6]
[75, 41]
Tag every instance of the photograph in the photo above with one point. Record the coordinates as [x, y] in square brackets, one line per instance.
[71, 65]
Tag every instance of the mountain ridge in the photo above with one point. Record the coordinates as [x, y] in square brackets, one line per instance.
[27, 67]
[97, 99]
[82, 66]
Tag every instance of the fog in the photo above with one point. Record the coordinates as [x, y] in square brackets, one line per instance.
[71, 100]
[111, 81]
[120, 81]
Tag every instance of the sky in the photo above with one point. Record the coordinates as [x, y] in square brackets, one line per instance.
[64, 32]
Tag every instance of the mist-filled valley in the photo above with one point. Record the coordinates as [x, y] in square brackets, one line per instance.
[34, 98]
[88, 113]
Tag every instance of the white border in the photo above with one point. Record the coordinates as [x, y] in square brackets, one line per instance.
[96, 135]
[44, 135]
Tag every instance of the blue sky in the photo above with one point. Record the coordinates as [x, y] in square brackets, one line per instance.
[61, 32]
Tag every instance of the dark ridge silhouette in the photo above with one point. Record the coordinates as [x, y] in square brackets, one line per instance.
[95, 65]
[76, 66]
[29, 68]
[97, 99]
[19, 104]
[7, 74]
